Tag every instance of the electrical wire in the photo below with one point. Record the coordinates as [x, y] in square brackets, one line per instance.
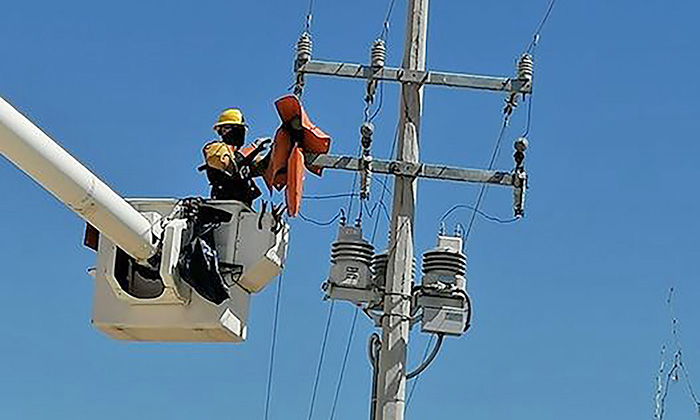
[384, 186]
[427, 360]
[381, 101]
[385, 26]
[415, 383]
[484, 187]
[536, 35]
[354, 183]
[322, 224]
[529, 116]
[665, 378]
[272, 347]
[329, 196]
[309, 15]
[371, 212]
[481, 213]
[320, 359]
[345, 361]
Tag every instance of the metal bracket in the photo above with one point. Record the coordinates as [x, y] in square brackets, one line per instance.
[359, 71]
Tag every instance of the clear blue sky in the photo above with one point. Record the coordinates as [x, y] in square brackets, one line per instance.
[569, 303]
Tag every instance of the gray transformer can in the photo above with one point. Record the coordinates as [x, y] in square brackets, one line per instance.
[351, 276]
[443, 294]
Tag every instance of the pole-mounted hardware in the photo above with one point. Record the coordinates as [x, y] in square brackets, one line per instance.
[304, 50]
[521, 84]
[377, 60]
[519, 176]
[383, 284]
[366, 131]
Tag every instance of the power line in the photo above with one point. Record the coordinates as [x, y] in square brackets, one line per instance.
[272, 347]
[664, 378]
[320, 359]
[329, 196]
[309, 15]
[536, 35]
[481, 213]
[322, 224]
[415, 382]
[383, 182]
[345, 361]
[385, 24]
[484, 187]
[529, 116]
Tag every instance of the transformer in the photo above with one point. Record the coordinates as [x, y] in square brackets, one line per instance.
[442, 295]
[351, 277]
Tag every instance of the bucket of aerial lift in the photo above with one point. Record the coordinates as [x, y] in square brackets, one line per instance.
[133, 302]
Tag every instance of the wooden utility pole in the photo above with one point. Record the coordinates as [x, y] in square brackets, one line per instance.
[397, 300]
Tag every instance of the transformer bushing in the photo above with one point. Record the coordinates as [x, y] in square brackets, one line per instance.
[350, 275]
[446, 267]
[443, 295]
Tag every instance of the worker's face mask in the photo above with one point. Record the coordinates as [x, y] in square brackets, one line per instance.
[234, 135]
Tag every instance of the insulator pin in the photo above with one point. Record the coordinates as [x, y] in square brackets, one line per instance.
[378, 54]
[304, 49]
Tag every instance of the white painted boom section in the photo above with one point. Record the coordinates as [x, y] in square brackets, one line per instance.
[35, 153]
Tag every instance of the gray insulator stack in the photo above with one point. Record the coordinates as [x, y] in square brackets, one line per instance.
[304, 49]
[446, 266]
[378, 55]
[356, 251]
[525, 68]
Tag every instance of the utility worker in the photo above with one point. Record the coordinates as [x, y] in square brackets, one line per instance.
[231, 167]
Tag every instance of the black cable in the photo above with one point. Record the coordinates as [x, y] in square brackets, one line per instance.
[529, 116]
[381, 101]
[484, 187]
[677, 366]
[378, 205]
[427, 360]
[415, 383]
[329, 196]
[536, 35]
[481, 213]
[345, 361]
[309, 14]
[385, 26]
[317, 223]
[320, 359]
[384, 187]
[272, 347]
[354, 182]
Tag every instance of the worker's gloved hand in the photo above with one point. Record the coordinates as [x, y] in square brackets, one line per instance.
[262, 142]
[217, 155]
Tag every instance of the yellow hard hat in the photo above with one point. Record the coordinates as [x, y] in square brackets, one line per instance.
[230, 116]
